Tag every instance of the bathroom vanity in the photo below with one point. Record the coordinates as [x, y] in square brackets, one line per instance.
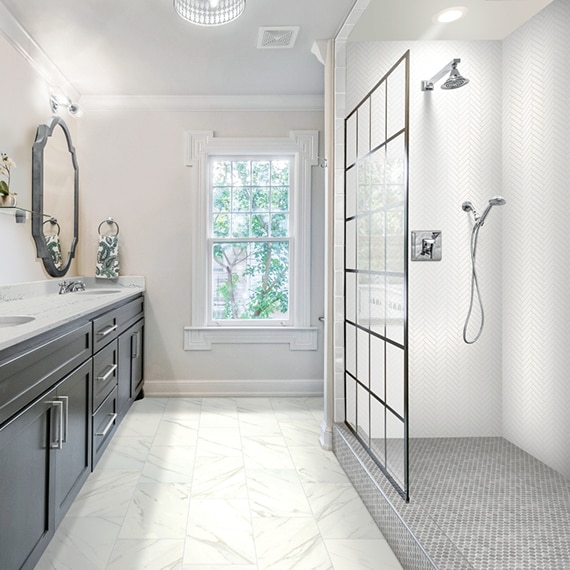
[70, 367]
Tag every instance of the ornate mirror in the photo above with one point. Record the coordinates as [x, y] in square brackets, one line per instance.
[55, 194]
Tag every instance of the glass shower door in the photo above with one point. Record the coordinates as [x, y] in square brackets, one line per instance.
[376, 212]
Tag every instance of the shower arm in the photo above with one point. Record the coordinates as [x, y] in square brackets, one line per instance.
[428, 85]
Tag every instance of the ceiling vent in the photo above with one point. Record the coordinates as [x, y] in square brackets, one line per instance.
[277, 37]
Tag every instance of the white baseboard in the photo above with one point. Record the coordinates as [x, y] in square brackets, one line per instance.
[229, 388]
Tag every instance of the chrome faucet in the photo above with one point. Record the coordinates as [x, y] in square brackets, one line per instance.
[70, 286]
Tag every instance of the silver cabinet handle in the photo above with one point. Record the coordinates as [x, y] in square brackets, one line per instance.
[65, 400]
[108, 374]
[59, 443]
[135, 345]
[105, 431]
[107, 330]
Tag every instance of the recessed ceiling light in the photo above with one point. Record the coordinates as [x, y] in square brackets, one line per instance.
[450, 14]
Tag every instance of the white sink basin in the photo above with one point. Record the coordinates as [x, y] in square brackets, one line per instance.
[15, 320]
[99, 291]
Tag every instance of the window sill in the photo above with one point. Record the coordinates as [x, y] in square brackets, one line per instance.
[298, 338]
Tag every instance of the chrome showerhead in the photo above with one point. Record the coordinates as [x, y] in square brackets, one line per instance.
[455, 79]
[497, 201]
[494, 201]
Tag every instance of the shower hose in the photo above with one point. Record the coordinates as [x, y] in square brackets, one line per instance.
[474, 288]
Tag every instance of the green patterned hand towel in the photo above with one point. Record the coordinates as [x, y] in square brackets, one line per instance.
[54, 249]
[107, 257]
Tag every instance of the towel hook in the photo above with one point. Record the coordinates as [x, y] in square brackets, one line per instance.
[111, 222]
[53, 222]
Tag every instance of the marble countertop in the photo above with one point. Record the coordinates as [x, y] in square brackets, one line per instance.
[41, 300]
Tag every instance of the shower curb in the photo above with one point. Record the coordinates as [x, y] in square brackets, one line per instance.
[416, 540]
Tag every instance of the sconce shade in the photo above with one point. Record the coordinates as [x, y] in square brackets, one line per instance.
[209, 12]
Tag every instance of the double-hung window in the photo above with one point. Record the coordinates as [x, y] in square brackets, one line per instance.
[251, 240]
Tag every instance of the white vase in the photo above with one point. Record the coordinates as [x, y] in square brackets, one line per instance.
[8, 201]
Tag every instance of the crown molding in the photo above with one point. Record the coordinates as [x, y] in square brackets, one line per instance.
[23, 43]
[184, 103]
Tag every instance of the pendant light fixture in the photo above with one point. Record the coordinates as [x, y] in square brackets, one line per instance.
[209, 12]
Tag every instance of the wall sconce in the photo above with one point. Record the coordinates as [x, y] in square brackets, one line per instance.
[59, 100]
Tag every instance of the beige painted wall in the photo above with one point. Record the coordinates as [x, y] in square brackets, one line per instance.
[133, 170]
[25, 104]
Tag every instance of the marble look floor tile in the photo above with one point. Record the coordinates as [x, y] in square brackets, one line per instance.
[277, 493]
[176, 432]
[147, 554]
[292, 409]
[81, 542]
[219, 567]
[221, 406]
[224, 513]
[213, 441]
[254, 406]
[142, 422]
[321, 467]
[289, 544]
[362, 555]
[219, 477]
[183, 408]
[126, 452]
[106, 493]
[157, 510]
[339, 512]
[301, 433]
[169, 465]
[219, 532]
[270, 452]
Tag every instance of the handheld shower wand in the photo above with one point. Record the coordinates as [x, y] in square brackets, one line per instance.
[479, 221]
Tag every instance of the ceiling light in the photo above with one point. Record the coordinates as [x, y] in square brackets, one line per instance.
[450, 14]
[209, 12]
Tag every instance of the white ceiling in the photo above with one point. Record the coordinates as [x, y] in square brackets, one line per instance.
[413, 19]
[143, 48]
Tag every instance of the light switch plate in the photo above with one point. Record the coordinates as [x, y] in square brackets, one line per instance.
[426, 245]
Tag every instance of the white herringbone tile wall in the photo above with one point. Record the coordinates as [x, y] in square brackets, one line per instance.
[455, 155]
[536, 264]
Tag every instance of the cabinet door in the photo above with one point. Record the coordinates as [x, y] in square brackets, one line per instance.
[130, 365]
[26, 472]
[137, 353]
[73, 460]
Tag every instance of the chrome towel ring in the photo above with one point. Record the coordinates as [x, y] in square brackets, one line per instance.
[111, 222]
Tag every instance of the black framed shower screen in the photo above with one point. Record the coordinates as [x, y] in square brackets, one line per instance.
[376, 273]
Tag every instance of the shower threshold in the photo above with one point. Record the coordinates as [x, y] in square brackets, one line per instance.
[476, 504]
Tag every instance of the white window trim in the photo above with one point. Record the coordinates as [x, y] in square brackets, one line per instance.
[303, 146]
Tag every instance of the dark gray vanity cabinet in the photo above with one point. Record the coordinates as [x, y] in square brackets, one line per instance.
[44, 461]
[62, 395]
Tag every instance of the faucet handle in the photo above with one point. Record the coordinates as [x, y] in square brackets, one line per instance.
[63, 287]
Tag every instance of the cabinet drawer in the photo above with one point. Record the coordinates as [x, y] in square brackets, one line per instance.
[105, 373]
[105, 330]
[130, 313]
[29, 374]
[104, 425]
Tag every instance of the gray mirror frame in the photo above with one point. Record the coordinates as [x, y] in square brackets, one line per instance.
[44, 132]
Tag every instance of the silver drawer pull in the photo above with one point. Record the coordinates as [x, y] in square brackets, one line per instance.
[59, 443]
[109, 373]
[107, 330]
[112, 419]
[65, 400]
